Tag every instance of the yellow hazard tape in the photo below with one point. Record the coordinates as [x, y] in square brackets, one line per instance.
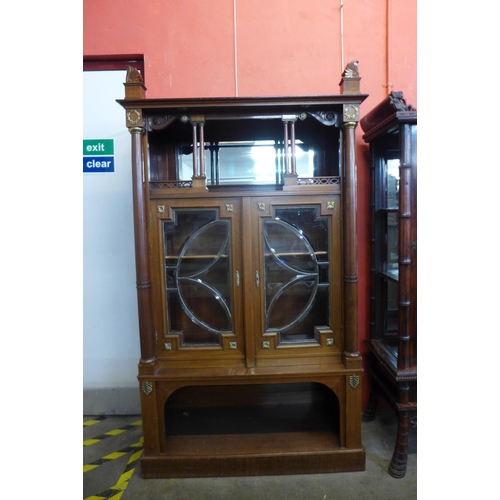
[94, 421]
[111, 433]
[112, 456]
[116, 491]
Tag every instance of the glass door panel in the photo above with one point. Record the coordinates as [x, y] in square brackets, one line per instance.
[198, 276]
[385, 195]
[296, 273]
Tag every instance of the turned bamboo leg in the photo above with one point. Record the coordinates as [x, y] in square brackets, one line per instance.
[397, 467]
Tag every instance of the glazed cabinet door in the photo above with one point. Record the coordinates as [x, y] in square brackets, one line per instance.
[197, 280]
[296, 274]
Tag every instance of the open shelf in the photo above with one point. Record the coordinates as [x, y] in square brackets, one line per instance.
[265, 419]
[256, 429]
[252, 444]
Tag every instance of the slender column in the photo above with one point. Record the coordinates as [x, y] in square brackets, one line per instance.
[286, 148]
[277, 161]
[350, 243]
[217, 170]
[196, 165]
[202, 149]
[199, 172]
[292, 139]
[141, 250]
[214, 163]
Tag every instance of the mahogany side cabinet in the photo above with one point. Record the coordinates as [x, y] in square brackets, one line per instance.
[391, 131]
[246, 258]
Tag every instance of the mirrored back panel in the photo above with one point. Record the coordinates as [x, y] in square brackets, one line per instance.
[245, 151]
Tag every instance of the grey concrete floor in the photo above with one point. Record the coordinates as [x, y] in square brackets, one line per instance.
[119, 438]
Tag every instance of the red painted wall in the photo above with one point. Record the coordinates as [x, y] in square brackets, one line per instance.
[221, 48]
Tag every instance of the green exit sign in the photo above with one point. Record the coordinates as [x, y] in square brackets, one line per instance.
[98, 147]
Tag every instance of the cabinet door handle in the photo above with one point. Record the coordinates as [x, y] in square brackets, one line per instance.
[257, 279]
[237, 278]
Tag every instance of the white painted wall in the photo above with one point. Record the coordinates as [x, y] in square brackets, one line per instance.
[111, 348]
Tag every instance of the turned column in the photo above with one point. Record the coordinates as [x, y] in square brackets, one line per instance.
[134, 90]
[289, 145]
[350, 242]
[350, 85]
[199, 173]
[143, 282]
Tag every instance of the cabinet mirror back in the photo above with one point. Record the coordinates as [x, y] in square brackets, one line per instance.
[251, 150]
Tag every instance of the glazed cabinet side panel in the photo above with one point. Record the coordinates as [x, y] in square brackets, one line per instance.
[413, 297]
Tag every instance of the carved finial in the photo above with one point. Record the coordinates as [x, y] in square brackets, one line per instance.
[398, 102]
[351, 70]
[350, 79]
[134, 84]
[133, 75]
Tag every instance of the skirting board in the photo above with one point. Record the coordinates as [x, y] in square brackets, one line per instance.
[112, 401]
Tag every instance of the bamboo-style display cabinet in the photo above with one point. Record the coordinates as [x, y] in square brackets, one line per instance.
[391, 130]
[245, 234]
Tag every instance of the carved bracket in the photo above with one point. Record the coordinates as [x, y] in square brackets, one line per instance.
[160, 122]
[328, 118]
